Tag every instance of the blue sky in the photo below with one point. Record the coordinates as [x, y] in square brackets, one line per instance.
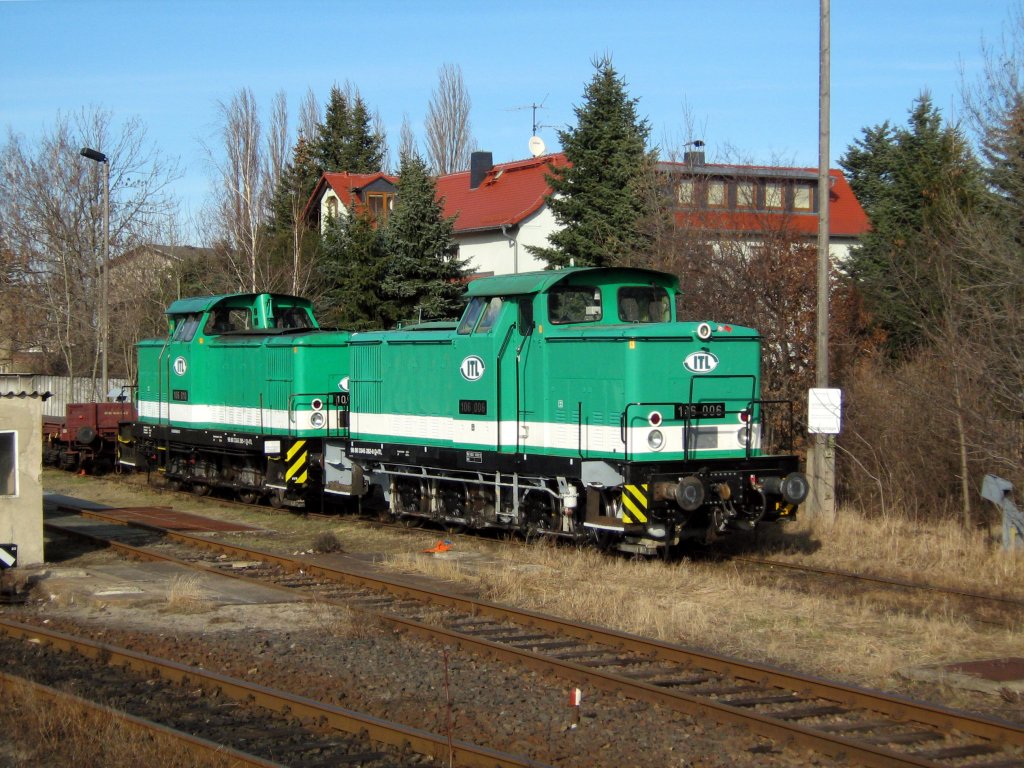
[746, 73]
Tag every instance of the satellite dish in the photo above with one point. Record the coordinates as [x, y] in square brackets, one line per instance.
[536, 146]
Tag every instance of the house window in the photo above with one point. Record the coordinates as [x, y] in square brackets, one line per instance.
[379, 204]
[332, 207]
[773, 196]
[717, 197]
[686, 193]
[802, 198]
[745, 194]
[8, 463]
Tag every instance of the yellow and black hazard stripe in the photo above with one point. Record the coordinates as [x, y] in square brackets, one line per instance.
[634, 503]
[297, 463]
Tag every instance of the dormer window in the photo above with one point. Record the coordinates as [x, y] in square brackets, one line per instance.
[379, 204]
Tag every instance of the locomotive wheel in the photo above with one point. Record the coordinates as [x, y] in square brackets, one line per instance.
[200, 489]
[538, 511]
[248, 497]
[411, 521]
[276, 498]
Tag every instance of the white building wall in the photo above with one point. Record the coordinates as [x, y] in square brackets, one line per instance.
[494, 252]
[21, 506]
[330, 205]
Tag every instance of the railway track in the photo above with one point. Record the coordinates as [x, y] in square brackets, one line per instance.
[1010, 608]
[862, 726]
[198, 750]
[267, 727]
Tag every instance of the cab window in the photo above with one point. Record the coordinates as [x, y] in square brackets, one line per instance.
[574, 304]
[490, 315]
[643, 304]
[472, 315]
[225, 320]
[185, 327]
[481, 314]
[291, 317]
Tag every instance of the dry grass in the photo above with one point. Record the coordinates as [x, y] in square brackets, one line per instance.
[186, 595]
[340, 621]
[716, 607]
[941, 553]
[43, 734]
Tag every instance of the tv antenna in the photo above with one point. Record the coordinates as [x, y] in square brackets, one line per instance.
[533, 107]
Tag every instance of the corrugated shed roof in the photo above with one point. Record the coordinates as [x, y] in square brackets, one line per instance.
[30, 395]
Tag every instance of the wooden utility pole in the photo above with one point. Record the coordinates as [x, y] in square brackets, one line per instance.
[822, 457]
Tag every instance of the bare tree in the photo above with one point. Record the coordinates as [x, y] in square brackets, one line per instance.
[277, 140]
[407, 140]
[449, 137]
[243, 190]
[309, 116]
[51, 224]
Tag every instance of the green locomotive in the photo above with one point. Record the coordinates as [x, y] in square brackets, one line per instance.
[240, 396]
[568, 403]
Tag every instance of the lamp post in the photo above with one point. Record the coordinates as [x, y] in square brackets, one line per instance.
[99, 157]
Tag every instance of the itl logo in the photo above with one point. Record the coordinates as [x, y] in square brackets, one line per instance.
[472, 368]
[700, 362]
[180, 366]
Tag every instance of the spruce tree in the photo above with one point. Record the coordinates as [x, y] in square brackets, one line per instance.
[424, 274]
[599, 199]
[909, 180]
[353, 269]
[346, 140]
[294, 187]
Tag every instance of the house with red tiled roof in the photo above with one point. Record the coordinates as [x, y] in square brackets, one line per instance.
[500, 210]
[336, 192]
[743, 202]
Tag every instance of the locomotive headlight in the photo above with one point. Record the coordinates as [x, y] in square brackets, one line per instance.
[656, 440]
[317, 420]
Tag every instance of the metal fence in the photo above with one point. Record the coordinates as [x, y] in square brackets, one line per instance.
[64, 390]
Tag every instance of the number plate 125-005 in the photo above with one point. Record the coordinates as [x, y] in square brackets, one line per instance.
[700, 410]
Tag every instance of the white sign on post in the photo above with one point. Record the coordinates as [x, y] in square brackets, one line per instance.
[824, 411]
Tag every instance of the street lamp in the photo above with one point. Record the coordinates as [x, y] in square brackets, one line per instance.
[99, 157]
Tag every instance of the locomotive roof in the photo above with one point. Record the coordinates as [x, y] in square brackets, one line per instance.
[538, 282]
[203, 303]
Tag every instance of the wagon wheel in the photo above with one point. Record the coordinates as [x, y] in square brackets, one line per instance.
[248, 497]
